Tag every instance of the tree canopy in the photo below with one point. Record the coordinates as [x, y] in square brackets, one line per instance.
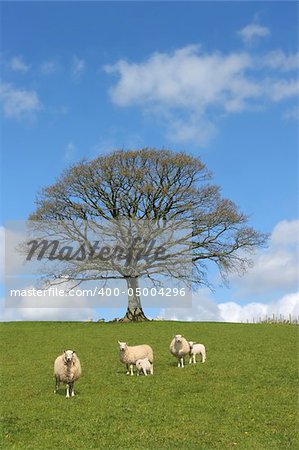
[157, 187]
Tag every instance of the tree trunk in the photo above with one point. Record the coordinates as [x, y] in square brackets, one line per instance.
[134, 311]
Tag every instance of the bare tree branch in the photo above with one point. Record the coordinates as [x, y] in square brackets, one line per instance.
[128, 190]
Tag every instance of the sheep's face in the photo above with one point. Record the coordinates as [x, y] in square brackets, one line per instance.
[68, 355]
[178, 338]
[190, 343]
[122, 346]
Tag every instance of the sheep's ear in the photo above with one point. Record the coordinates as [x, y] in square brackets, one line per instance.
[118, 342]
[74, 351]
[64, 351]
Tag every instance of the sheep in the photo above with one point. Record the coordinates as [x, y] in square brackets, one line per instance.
[145, 365]
[179, 347]
[130, 354]
[197, 349]
[67, 369]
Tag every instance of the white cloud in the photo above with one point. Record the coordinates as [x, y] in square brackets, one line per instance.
[283, 308]
[18, 65]
[18, 102]
[12, 236]
[287, 305]
[48, 67]
[27, 309]
[78, 66]
[285, 233]
[206, 309]
[275, 275]
[252, 32]
[283, 89]
[277, 266]
[189, 90]
[196, 129]
[186, 78]
[35, 314]
[277, 59]
[76, 307]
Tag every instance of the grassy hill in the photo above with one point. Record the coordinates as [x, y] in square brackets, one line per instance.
[244, 396]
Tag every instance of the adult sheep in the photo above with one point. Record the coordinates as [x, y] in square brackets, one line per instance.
[67, 369]
[130, 354]
[179, 348]
[197, 349]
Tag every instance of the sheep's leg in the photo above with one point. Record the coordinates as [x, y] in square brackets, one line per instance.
[152, 370]
[179, 363]
[67, 391]
[137, 372]
[182, 362]
[128, 371]
[203, 357]
[194, 358]
[72, 389]
[145, 373]
[131, 369]
[56, 385]
[190, 359]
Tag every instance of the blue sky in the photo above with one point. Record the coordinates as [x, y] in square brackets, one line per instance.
[215, 79]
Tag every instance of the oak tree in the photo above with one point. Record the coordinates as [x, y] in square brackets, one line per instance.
[137, 196]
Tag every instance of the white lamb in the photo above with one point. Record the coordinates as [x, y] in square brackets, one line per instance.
[130, 354]
[197, 349]
[145, 365]
[67, 369]
[179, 348]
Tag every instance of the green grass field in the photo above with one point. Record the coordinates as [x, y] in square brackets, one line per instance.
[245, 396]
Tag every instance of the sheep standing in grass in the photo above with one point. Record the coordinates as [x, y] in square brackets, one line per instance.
[67, 369]
[179, 348]
[130, 354]
[197, 349]
[145, 365]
